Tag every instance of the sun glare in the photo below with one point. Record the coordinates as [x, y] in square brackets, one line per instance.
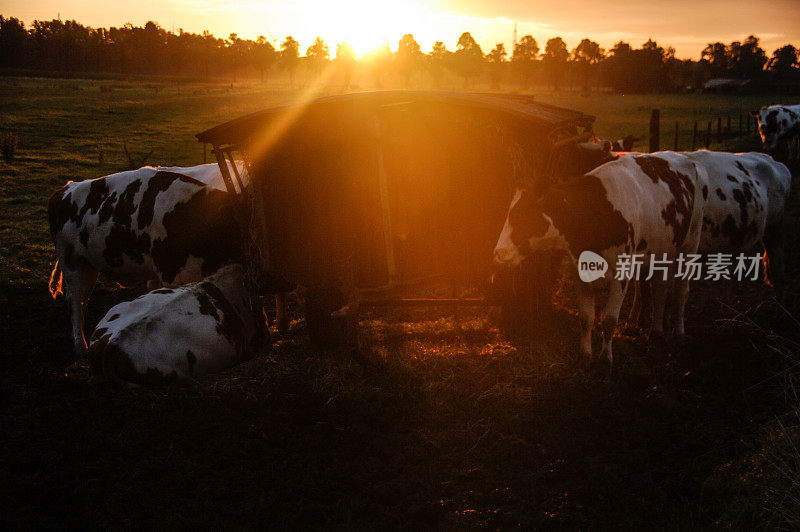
[369, 24]
[365, 25]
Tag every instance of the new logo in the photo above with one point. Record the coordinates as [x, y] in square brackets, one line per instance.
[591, 266]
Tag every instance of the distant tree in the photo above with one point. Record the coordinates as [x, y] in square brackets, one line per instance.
[496, 59]
[715, 55]
[523, 59]
[317, 55]
[621, 48]
[264, 56]
[468, 58]
[747, 59]
[58, 45]
[437, 60]
[784, 61]
[290, 56]
[379, 62]
[408, 57]
[646, 69]
[587, 55]
[345, 61]
[13, 42]
[236, 53]
[555, 59]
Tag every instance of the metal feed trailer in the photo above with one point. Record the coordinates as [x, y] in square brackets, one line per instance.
[390, 193]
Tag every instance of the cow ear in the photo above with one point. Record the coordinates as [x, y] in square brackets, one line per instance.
[754, 113]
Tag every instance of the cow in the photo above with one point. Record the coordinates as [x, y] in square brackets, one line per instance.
[746, 200]
[746, 205]
[637, 204]
[143, 224]
[750, 191]
[174, 334]
[205, 173]
[779, 128]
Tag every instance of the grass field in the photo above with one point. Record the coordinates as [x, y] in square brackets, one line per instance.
[462, 426]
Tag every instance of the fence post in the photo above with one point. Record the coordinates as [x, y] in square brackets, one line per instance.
[719, 129]
[740, 123]
[675, 147]
[728, 131]
[708, 135]
[655, 130]
[694, 134]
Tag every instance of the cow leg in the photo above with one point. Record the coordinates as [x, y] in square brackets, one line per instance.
[774, 258]
[659, 303]
[681, 296]
[646, 306]
[78, 286]
[281, 318]
[610, 315]
[585, 301]
[636, 305]
[642, 306]
[349, 289]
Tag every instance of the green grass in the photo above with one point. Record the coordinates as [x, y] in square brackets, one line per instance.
[463, 425]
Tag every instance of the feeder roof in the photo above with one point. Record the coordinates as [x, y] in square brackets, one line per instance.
[521, 107]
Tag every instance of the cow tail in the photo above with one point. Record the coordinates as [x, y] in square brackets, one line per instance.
[55, 280]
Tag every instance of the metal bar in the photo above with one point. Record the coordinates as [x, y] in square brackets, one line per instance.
[229, 152]
[433, 280]
[677, 131]
[468, 302]
[223, 168]
[655, 130]
[583, 137]
[383, 184]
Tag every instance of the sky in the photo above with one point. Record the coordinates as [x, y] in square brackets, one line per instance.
[688, 25]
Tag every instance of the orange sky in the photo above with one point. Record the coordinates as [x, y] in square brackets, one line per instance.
[686, 25]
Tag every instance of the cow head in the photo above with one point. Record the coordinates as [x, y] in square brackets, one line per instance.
[527, 229]
[584, 157]
[625, 143]
[776, 126]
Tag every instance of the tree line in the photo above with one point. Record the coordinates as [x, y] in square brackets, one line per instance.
[69, 46]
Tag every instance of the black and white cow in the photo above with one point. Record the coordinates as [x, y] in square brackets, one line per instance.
[208, 174]
[179, 333]
[746, 204]
[745, 207]
[646, 204]
[779, 127]
[143, 224]
[749, 194]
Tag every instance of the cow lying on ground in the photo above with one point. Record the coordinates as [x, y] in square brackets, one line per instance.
[779, 127]
[179, 333]
[139, 225]
[210, 175]
[648, 204]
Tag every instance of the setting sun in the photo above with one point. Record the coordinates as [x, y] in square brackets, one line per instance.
[366, 24]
